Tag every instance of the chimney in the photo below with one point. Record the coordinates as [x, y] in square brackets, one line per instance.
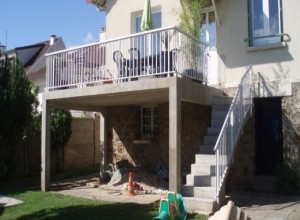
[102, 34]
[52, 39]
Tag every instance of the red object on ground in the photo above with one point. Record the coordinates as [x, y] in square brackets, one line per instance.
[130, 184]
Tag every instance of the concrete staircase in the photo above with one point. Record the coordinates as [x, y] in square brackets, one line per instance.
[199, 191]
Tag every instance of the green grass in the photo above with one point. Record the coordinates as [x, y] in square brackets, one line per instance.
[46, 205]
[41, 205]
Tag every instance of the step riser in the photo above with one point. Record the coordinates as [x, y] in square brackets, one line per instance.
[213, 131]
[202, 192]
[200, 180]
[203, 169]
[193, 205]
[219, 114]
[222, 100]
[199, 192]
[207, 149]
[210, 140]
[223, 108]
[217, 123]
[205, 159]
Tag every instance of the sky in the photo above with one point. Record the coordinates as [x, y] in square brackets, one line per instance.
[26, 22]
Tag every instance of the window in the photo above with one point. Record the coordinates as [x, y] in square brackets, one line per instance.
[149, 121]
[150, 44]
[265, 22]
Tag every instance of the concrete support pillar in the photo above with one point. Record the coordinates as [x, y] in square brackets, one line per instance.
[175, 136]
[45, 136]
[103, 143]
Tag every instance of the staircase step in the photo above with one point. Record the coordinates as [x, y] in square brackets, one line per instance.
[217, 123]
[207, 149]
[203, 169]
[219, 114]
[205, 159]
[206, 192]
[213, 131]
[200, 206]
[210, 140]
[200, 180]
[221, 100]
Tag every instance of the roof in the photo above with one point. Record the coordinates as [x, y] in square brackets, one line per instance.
[33, 56]
[100, 4]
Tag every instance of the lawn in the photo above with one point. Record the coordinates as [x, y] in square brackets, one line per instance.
[47, 205]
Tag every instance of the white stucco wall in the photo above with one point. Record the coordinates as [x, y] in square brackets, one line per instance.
[273, 64]
[120, 19]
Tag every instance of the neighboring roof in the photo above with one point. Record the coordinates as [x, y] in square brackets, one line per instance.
[100, 4]
[33, 56]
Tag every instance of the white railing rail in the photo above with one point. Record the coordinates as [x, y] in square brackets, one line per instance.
[160, 53]
[240, 109]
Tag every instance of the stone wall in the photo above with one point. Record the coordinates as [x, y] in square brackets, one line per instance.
[124, 136]
[242, 172]
[291, 125]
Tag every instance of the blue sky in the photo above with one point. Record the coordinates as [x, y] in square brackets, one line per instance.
[31, 21]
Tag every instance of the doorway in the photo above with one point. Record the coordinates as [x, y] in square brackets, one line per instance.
[268, 135]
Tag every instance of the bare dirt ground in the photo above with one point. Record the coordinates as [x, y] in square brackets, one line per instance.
[151, 188]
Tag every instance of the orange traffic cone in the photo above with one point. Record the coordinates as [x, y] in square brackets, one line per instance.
[130, 184]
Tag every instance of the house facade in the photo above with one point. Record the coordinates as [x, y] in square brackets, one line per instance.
[155, 90]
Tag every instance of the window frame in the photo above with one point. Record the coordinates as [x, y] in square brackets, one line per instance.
[153, 123]
[267, 39]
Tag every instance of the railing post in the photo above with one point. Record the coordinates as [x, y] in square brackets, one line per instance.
[217, 171]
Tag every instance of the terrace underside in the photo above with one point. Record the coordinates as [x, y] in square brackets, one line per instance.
[171, 90]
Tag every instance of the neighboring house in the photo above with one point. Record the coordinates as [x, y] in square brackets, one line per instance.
[161, 93]
[34, 61]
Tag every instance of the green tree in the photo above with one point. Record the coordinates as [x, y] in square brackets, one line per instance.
[61, 130]
[17, 98]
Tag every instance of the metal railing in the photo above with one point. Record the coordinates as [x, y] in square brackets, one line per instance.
[239, 111]
[161, 52]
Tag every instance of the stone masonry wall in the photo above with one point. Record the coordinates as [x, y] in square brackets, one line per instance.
[124, 128]
[242, 172]
[291, 125]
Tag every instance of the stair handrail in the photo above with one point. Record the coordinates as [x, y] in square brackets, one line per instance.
[240, 109]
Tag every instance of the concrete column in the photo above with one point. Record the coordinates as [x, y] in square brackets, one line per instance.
[45, 136]
[174, 136]
[103, 143]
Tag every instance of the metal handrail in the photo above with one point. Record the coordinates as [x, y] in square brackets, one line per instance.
[231, 130]
[162, 52]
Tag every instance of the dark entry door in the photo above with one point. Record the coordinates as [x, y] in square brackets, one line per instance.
[268, 132]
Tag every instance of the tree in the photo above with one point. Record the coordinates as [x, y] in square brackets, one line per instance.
[61, 130]
[17, 98]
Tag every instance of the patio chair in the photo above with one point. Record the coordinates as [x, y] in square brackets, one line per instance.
[121, 64]
[134, 62]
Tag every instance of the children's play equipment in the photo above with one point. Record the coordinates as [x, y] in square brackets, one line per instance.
[172, 208]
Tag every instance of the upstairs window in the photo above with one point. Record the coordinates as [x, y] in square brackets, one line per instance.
[265, 22]
[150, 44]
[149, 122]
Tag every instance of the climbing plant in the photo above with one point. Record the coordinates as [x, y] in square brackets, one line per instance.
[61, 130]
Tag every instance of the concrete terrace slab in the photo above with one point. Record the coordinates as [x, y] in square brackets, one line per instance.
[7, 201]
